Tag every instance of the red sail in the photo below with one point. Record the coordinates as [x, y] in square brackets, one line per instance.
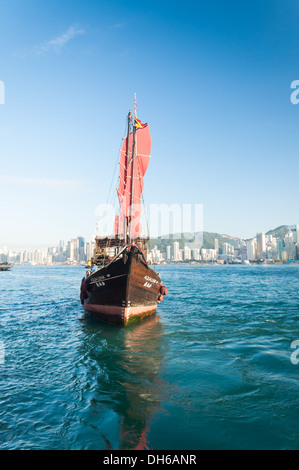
[124, 191]
[124, 188]
[143, 148]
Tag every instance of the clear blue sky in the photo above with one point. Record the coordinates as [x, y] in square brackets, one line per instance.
[212, 80]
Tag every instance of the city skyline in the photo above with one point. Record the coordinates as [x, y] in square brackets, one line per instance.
[263, 245]
[30, 247]
[213, 80]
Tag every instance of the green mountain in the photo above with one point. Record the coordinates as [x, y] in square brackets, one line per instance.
[208, 239]
[279, 232]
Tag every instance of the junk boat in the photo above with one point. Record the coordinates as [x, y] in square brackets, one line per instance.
[124, 288]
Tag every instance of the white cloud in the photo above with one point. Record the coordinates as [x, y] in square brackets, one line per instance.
[56, 44]
[65, 37]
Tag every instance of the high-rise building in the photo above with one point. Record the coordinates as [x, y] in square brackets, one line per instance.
[251, 249]
[187, 253]
[74, 249]
[81, 241]
[155, 255]
[208, 254]
[290, 245]
[243, 251]
[90, 247]
[227, 249]
[260, 244]
[195, 254]
[81, 249]
[237, 252]
[280, 248]
[176, 251]
[168, 252]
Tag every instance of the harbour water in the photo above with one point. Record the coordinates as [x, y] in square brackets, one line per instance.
[211, 370]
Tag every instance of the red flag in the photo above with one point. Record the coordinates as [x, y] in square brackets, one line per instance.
[138, 124]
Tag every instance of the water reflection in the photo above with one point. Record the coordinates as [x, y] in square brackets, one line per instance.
[130, 382]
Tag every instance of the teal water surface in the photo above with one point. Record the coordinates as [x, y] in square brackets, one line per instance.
[211, 370]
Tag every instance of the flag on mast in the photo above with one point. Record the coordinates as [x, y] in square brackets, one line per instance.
[138, 123]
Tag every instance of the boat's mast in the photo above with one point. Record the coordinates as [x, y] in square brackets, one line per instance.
[127, 161]
[132, 183]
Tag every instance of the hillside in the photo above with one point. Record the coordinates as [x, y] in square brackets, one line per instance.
[279, 231]
[209, 239]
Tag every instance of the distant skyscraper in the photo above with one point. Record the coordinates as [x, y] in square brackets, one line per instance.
[74, 249]
[251, 249]
[290, 245]
[187, 253]
[90, 248]
[195, 254]
[260, 244]
[227, 249]
[81, 249]
[243, 251]
[280, 247]
[168, 252]
[81, 241]
[176, 251]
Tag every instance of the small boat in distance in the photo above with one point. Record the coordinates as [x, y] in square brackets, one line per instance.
[124, 288]
[5, 266]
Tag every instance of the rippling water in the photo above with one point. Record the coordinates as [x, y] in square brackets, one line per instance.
[211, 370]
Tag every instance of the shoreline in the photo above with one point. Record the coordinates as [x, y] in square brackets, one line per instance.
[279, 263]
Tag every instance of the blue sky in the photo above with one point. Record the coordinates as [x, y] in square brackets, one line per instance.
[212, 80]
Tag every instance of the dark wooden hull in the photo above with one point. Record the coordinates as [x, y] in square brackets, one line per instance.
[123, 291]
